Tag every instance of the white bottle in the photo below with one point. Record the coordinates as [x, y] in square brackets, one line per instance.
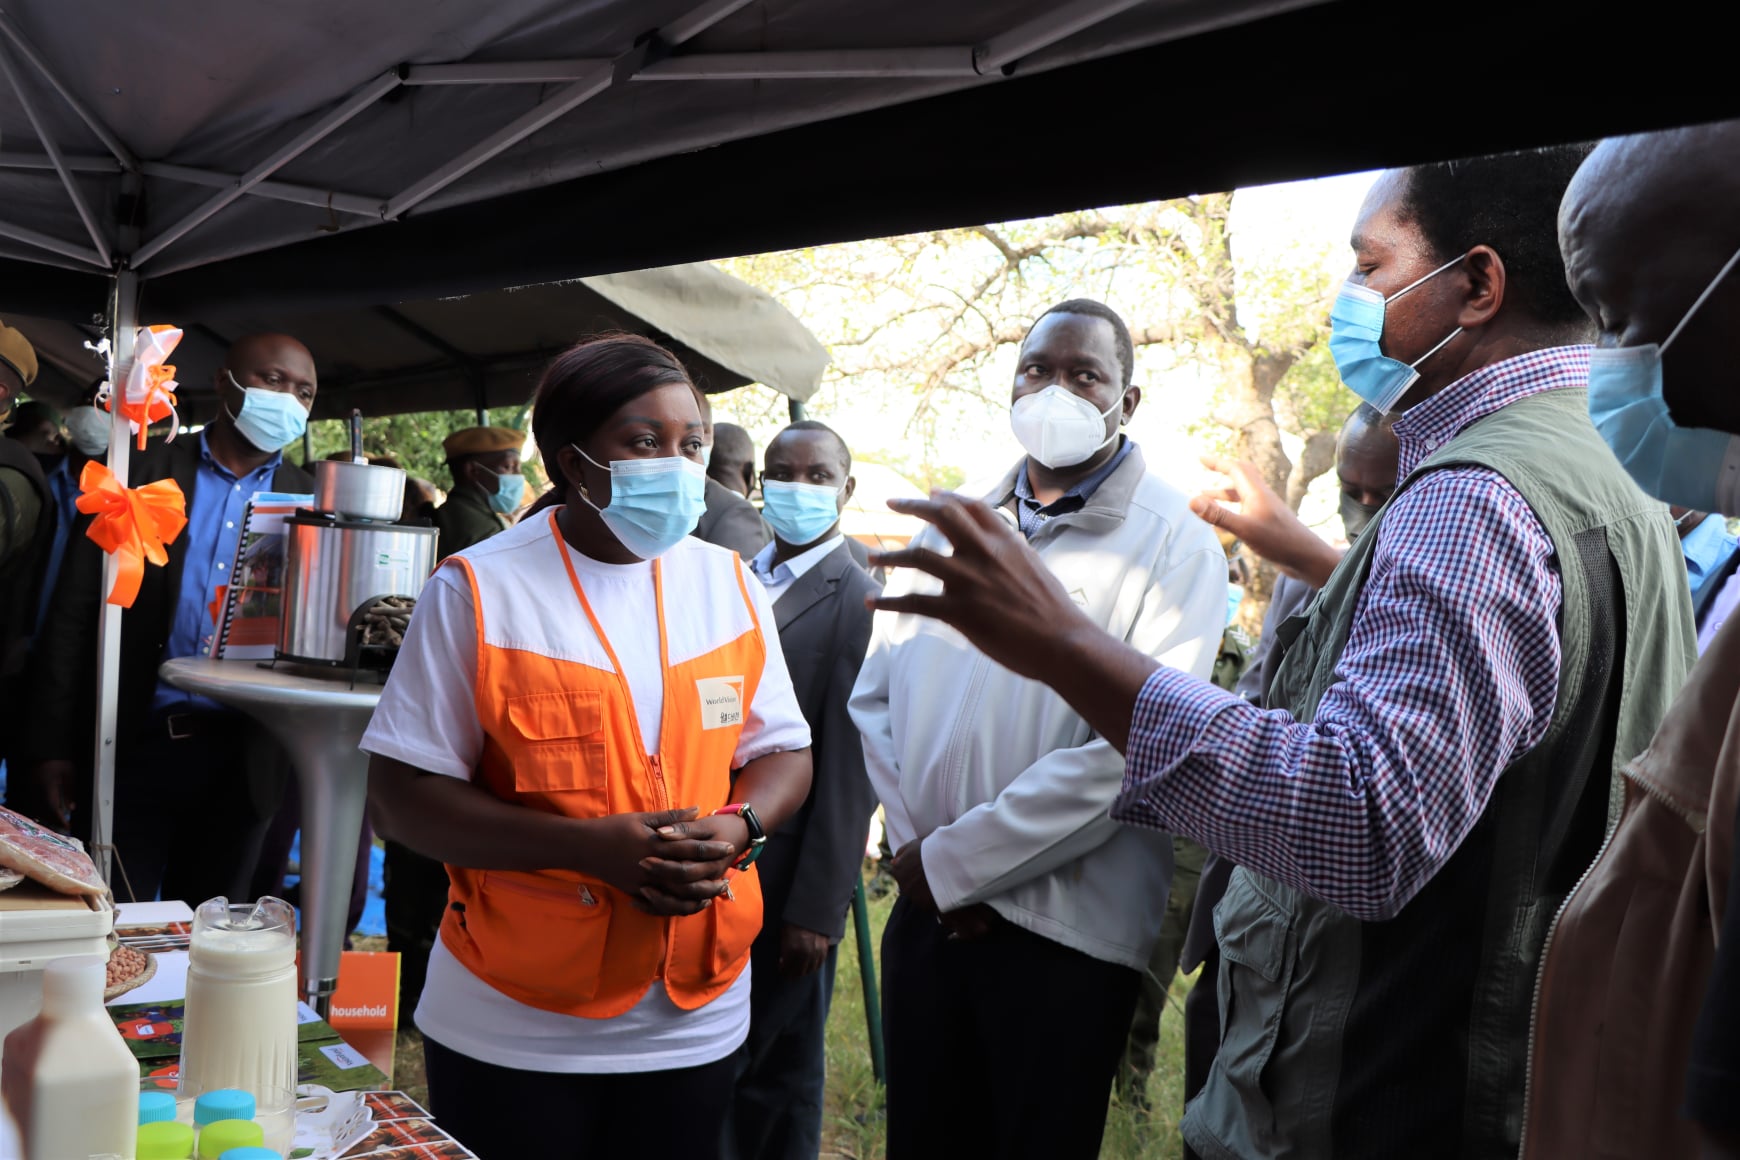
[240, 1026]
[70, 1082]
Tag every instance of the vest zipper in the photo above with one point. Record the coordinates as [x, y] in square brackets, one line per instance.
[1541, 978]
[658, 772]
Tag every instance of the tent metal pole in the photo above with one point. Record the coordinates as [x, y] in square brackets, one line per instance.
[1060, 23]
[796, 409]
[78, 164]
[46, 139]
[301, 143]
[698, 20]
[123, 321]
[876, 62]
[92, 122]
[516, 72]
[54, 245]
[502, 139]
[352, 203]
[1193, 20]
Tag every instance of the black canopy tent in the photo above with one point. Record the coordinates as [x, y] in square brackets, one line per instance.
[190, 161]
[478, 350]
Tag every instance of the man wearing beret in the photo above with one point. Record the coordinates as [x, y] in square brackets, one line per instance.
[26, 516]
[487, 486]
[196, 784]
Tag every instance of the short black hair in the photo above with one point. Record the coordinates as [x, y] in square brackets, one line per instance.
[733, 442]
[1509, 201]
[590, 381]
[812, 425]
[1088, 308]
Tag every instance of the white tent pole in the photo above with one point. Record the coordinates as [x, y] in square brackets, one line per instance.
[698, 20]
[309, 137]
[123, 321]
[73, 192]
[104, 134]
[52, 244]
[875, 62]
[1061, 22]
[515, 131]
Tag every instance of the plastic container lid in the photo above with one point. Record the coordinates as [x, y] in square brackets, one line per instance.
[223, 1104]
[165, 1140]
[227, 1135]
[156, 1106]
[250, 1154]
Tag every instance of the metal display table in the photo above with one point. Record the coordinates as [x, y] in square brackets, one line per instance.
[320, 721]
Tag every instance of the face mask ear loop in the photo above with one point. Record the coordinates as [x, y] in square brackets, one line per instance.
[224, 403]
[1416, 363]
[1423, 280]
[1702, 298]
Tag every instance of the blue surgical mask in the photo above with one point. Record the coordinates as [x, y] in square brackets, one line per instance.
[510, 489]
[1356, 330]
[1235, 596]
[654, 503]
[799, 513]
[1693, 467]
[270, 420]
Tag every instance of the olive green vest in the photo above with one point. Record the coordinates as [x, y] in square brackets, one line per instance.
[1408, 1037]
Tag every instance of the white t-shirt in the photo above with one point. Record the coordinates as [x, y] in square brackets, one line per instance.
[427, 718]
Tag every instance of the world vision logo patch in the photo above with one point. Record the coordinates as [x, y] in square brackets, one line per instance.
[721, 702]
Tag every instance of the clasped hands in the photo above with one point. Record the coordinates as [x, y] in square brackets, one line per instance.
[669, 862]
[969, 922]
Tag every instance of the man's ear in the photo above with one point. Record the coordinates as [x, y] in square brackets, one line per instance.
[1484, 269]
[1132, 400]
[847, 491]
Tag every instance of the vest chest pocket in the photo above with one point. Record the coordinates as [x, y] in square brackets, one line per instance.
[557, 745]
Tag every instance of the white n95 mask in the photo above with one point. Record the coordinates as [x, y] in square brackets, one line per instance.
[1059, 428]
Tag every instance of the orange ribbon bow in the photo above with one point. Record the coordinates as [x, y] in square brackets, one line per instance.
[148, 396]
[133, 524]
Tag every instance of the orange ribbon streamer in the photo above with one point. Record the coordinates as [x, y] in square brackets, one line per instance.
[148, 396]
[133, 524]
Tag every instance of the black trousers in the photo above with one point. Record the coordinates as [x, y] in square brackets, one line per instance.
[191, 811]
[777, 1111]
[502, 1113]
[1001, 1046]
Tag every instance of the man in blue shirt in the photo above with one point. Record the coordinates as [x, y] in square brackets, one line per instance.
[195, 784]
[1712, 555]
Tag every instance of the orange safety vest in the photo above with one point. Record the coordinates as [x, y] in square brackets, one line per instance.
[562, 736]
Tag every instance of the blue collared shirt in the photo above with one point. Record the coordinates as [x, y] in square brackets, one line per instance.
[214, 524]
[65, 490]
[1033, 516]
[1706, 548]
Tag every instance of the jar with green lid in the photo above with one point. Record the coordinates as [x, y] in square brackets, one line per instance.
[221, 1136]
[165, 1140]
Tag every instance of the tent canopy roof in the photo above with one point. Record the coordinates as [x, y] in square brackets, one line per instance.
[484, 349]
[355, 152]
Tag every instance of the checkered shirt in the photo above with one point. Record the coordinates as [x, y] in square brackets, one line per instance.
[1449, 676]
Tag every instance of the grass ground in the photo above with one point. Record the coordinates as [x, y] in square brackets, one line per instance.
[853, 1127]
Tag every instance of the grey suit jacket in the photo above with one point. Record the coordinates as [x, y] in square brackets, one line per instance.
[732, 522]
[812, 863]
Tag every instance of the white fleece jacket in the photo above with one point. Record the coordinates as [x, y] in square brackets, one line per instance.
[1008, 786]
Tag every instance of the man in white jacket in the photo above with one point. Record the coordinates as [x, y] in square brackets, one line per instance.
[1011, 961]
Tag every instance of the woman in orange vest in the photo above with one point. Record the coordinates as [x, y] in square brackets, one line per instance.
[561, 729]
